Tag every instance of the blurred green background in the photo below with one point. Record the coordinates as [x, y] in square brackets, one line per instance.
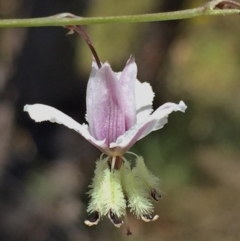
[45, 168]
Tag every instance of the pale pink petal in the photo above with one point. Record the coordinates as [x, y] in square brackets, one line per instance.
[39, 113]
[104, 109]
[154, 122]
[105, 116]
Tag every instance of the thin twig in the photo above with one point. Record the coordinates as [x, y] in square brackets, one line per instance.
[208, 9]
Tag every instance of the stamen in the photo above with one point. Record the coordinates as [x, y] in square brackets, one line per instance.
[113, 163]
[132, 153]
[136, 195]
[101, 156]
[149, 218]
[113, 218]
[150, 182]
[124, 159]
[93, 220]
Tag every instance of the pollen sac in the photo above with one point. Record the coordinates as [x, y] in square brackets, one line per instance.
[149, 218]
[113, 218]
[93, 220]
[112, 191]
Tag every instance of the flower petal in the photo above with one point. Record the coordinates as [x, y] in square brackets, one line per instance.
[39, 113]
[154, 122]
[104, 107]
[127, 90]
[163, 111]
[111, 106]
[144, 99]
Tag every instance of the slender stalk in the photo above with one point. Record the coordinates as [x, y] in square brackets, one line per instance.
[63, 19]
[82, 32]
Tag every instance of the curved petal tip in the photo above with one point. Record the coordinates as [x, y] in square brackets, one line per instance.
[25, 108]
[35, 112]
[131, 59]
[182, 106]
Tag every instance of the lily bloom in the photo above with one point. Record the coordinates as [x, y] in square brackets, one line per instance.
[119, 113]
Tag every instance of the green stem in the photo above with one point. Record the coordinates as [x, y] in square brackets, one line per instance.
[64, 19]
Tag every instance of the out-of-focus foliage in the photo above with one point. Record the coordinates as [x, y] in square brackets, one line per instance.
[196, 155]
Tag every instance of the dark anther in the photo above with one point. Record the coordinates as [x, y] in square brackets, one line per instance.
[113, 218]
[156, 196]
[93, 220]
[149, 217]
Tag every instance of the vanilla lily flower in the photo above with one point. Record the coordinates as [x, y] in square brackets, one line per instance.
[119, 113]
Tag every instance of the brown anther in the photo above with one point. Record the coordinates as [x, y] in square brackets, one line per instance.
[113, 218]
[149, 218]
[93, 220]
[155, 195]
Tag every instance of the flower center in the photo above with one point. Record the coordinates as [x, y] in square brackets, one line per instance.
[117, 186]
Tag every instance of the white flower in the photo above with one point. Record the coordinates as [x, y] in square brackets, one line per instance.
[119, 113]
